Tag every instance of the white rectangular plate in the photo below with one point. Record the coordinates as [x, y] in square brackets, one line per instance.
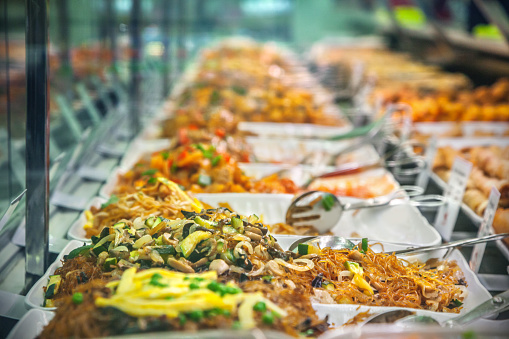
[458, 143]
[257, 171]
[292, 130]
[35, 297]
[338, 313]
[293, 151]
[402, 224]
[109, 186]
[77, 232]
[468, 129]
[31, 325]
[139, 148]
[477, 294]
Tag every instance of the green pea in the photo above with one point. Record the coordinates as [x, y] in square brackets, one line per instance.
[214, 286]
[182, 319]
[268, 318]
[226, 313]
[236, 325]
[194, 286]
[260, 306]
[232, 290]
[196, 315]
[77, 298]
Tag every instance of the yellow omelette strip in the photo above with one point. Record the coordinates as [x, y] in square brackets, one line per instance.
[142, 307]
[127, 280]
[212, 275]
[246, 314]
[155, 293]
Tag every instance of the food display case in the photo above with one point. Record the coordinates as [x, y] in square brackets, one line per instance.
[254, 168]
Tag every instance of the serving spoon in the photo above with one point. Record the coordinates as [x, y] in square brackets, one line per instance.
[337, 243]
[323, 210]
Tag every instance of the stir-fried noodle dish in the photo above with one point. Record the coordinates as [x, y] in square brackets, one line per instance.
[218, 269]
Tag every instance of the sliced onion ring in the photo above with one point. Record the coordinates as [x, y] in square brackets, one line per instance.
[309, 264]
[258, 271]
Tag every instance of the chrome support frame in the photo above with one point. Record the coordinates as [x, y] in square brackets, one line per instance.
[37, 140]
[136, 50]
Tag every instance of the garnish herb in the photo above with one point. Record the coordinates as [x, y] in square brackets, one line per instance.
[112, 200]
[151, 171]
[328, 201]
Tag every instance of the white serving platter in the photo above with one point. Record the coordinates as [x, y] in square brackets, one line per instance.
[293, 151]
[298, 174]
[292, 130]
[338, 314]
[35, 297]
[403, 223]
[458, 143]
[31, 324]
[140, 147]
[477, 294]
[301, 173]
[468, 129]
[76, 231]
[107, 188]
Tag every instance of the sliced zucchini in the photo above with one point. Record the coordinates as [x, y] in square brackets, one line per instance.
[166, 249]
[104, 232]
[229, 230]
[307, 249]
[238, 224]
[205, 223]
[53, 286]
[108, 263]
[189, 244]
[99, 249]
[153, 221]
[48, 303]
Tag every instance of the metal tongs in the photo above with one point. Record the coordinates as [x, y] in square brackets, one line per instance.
[452, 244]
[323, 210]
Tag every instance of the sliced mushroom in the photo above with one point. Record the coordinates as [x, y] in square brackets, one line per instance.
[276, 246]
[355, 255]
[253, 236]
[309, 256]
[168, 240]
[199, 263]
[252, 229]
[428, 290]
[219, 265]
[264, 230]
[179, 265]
